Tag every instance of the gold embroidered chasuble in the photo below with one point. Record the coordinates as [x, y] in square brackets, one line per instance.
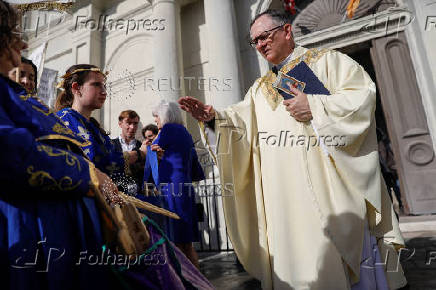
[295, 215]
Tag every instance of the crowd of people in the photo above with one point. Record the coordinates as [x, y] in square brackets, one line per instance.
[68, 187]
[56, 164]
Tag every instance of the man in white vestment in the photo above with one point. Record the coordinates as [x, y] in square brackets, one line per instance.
[308, 207]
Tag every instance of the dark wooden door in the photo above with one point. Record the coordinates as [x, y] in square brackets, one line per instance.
[406, 122]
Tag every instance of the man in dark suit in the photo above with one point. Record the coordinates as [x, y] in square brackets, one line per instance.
[128, 121]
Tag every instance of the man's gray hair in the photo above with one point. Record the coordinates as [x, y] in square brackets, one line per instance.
[278, 17]
[168, 112]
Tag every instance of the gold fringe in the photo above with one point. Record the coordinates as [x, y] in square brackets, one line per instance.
[148, 206]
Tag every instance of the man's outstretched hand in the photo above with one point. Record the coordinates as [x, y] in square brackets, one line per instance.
[198, 110]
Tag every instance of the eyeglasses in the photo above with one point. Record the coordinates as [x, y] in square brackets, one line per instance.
[264, 36]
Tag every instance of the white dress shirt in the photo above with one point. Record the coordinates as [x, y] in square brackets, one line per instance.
[127, 146]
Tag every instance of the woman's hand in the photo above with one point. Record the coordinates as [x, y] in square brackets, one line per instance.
[143, 148]
[160, 152]
[108, 188]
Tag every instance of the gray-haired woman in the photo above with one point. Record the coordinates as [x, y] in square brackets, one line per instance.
[177, 169]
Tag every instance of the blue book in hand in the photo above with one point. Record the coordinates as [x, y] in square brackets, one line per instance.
[302, 78]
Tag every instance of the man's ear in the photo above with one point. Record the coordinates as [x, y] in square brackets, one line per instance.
[120, 122]
[288, 29]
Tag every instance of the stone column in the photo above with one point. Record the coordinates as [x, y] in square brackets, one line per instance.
[167, 51]
[421, 37]
[87, 44]
[224, 56]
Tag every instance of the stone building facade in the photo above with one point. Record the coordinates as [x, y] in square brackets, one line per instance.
[164, 49]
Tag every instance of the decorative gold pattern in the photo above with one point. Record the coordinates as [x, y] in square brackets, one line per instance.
[44, 6]
[266, 83]
[48, 112]
[25, 97]
[33, 96]
[57, 137]
[69, 158]
[39, 178]
[58, 128]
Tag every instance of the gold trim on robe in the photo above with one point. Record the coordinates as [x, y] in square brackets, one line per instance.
[266, 82]
[62, 137]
